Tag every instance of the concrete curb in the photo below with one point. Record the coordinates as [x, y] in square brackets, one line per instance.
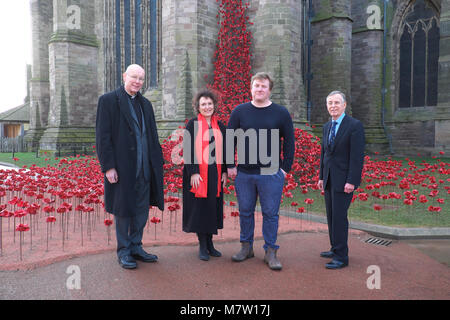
[8, 165]
[397, 233]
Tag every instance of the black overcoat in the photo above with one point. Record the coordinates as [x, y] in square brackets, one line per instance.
[116, 148]
[201, 215]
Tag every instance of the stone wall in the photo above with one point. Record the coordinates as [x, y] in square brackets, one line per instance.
[331, 55]
[277, 49]
[442, 135]
[73, 54]
[188, 44]
[416, 137]
[42, 17]
[416, 128]
[367, 72]
[69, 66]
[189, 40]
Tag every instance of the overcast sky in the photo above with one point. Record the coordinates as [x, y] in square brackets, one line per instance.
[15, 53]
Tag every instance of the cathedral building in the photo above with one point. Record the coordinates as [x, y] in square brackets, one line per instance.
[390, 57]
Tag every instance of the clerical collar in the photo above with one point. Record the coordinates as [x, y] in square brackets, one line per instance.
[129, 95]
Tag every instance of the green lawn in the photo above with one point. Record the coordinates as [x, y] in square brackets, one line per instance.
[29, 158]
[393, 213]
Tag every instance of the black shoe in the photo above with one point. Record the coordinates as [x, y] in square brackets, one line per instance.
[335, 264]
[327, 254]
[127, 262]
[144, 256]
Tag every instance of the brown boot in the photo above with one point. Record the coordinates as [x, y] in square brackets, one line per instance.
[245, 253]
[271, 259]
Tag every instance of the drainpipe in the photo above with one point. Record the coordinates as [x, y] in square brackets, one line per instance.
[384, 90]
[309, 75]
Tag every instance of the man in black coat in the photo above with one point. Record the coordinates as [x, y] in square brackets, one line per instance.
[131, 158]
[341, 164]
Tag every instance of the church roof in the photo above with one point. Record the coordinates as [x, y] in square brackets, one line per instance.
[17, 114]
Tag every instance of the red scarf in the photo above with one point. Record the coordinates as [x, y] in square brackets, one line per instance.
[202, 155]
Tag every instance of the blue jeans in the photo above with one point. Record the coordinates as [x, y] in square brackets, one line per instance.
[269, 189]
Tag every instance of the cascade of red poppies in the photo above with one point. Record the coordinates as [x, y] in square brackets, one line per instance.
[231, 80]
[232, 57]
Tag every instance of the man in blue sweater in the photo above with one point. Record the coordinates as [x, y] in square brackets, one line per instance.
[258, 127]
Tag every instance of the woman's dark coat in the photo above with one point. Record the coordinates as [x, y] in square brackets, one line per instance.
[201, 215]
[116, 148]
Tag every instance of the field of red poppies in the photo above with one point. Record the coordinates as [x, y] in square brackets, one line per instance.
[67, 197]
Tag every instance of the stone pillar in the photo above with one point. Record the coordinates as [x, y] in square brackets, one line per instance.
[331, 56]
[73, 77]
[103, 20]
[189, 38]
[367, 72]
[41, 22]
[277, 47]
[442, 124]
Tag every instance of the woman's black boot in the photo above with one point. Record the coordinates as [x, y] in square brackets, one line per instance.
[203, 251]
[209, 245]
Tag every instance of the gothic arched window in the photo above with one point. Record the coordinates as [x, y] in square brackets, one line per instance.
[131, 35]
[419, 54]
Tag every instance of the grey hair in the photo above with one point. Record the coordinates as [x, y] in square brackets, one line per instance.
[133, 66]
[339, 93]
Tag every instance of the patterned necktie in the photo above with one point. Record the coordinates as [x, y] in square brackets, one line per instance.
[333, 134]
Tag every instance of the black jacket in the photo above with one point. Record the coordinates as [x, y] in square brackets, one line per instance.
[116, 148]
[344, 161]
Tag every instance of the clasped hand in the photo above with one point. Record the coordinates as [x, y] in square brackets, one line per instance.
[112, 176]
[196, 179]
[348, 188]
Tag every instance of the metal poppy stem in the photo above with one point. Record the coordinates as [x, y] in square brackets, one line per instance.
[63, 230]
[20, 240]
[1, 237]
[81, 226]
[31, 232]
[47, 236]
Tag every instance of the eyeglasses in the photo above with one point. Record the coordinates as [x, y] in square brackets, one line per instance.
[136, 78]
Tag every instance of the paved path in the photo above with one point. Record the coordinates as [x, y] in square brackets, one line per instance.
[405, 273]
[6, 166]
